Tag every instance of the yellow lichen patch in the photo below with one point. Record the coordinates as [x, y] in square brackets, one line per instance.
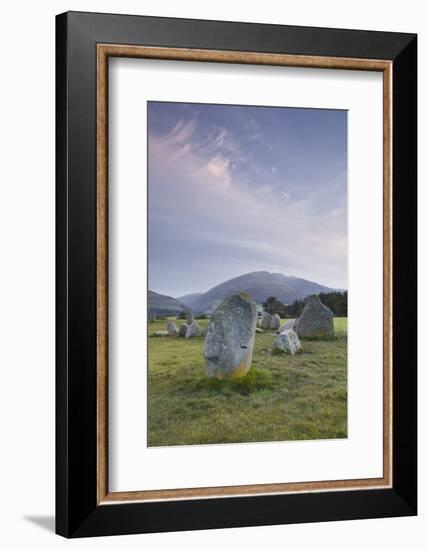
[242, 370]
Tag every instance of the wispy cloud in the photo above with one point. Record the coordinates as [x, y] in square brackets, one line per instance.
[181, 133]
[218, 210]
[218, 166]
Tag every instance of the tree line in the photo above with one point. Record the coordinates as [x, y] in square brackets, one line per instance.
[336, 301]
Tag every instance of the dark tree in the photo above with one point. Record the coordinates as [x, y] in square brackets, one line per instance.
[336, 301]
[295, 309]
[273, 305]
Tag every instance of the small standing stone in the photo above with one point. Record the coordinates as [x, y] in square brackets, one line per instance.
[192, 330]
[275, 322]
[288, 342]
[190, 317]
[266, 321]
[172, 329]
[289, 325]
[182, 330]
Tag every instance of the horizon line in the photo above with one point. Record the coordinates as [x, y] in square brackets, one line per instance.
[181, 294]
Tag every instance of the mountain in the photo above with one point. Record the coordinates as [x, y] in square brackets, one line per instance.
[188, 300]
[260, 285]
[163, 305]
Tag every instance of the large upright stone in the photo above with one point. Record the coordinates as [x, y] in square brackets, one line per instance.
[172, 329]
[230, 337]
[316, 319]
[287, 342]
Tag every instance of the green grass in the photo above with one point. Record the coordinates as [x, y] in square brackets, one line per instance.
[281, 398]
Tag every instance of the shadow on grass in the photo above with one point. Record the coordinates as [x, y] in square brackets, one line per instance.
[335, 338]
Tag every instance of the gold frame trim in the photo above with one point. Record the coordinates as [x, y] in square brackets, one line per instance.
[104, 51]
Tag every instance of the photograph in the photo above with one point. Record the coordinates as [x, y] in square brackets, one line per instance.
[247, 274]
[212, 275]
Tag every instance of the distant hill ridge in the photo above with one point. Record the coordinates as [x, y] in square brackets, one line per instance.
[260, 285]
[163, 305]
[188, 300]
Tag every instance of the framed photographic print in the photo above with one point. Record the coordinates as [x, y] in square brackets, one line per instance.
[236, 274]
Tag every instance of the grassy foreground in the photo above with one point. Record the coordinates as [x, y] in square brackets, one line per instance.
[281, 398]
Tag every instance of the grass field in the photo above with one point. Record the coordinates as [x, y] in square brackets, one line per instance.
[281, 398]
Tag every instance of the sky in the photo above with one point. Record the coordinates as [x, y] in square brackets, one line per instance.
[234, 189]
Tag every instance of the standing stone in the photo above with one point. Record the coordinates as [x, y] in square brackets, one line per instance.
[190, 317]
[192, 330]
[182, 330]
[230, 337]
[266, 321]
[172, 329]
[316, 319]
[275, 322]
[289, 325]
[288, 342]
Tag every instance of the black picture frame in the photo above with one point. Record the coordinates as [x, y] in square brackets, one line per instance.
[77, 511]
